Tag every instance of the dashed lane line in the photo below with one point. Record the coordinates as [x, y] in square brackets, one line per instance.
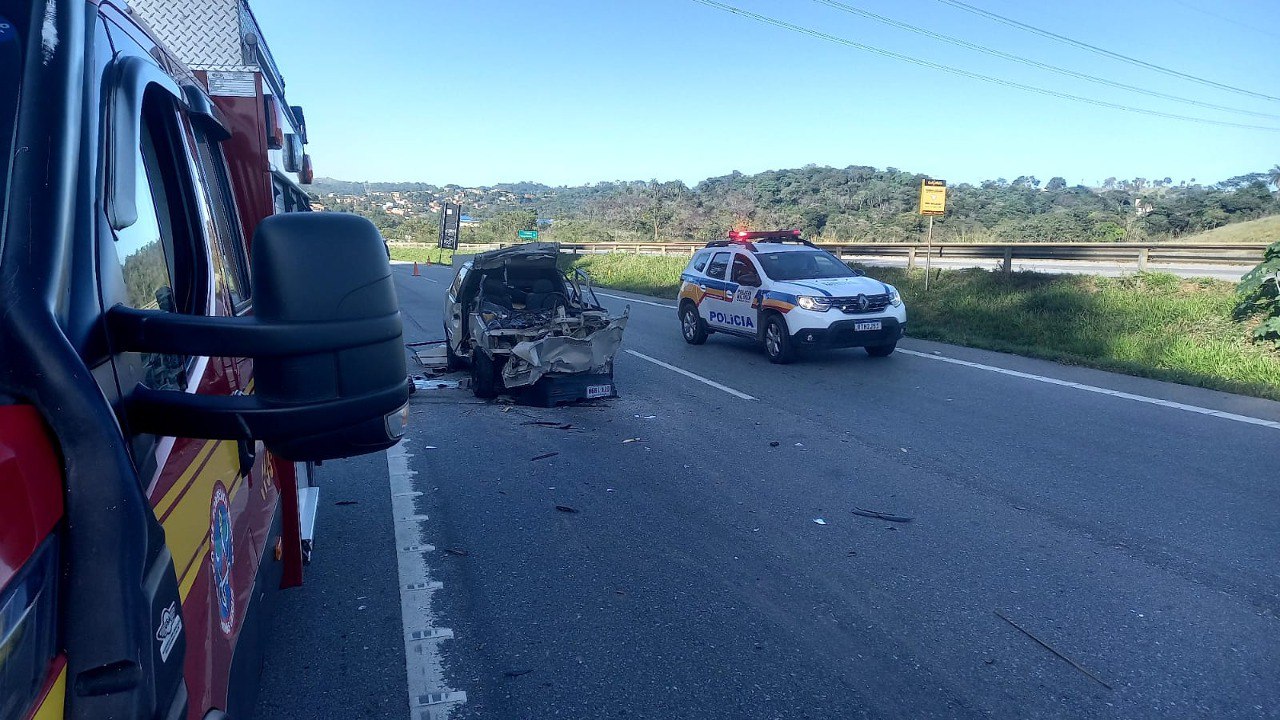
[694, 376]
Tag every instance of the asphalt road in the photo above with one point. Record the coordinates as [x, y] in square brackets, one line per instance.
[1109, 517]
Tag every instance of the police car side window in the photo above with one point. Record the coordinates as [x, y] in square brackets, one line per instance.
[744, 271]
[700, 262]
[719, 264]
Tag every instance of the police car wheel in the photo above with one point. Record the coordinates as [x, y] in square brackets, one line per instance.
[777, 341]
[691, 325]
[881, 350]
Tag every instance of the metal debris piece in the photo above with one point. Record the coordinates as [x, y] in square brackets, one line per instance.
[630, 440]
[544, 456]
[880, 516]
[420, 383]
[549, 424]
[775, 443]
[1053, 650]
[347, 502]
[457, 551]
[820, 521]
[566, 509]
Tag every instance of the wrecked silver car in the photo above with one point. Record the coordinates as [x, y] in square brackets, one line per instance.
[526, 327]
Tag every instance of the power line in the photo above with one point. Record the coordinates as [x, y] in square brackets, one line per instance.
[1034, 63]
[965, 73]
[1224, 18]
[1102, 51]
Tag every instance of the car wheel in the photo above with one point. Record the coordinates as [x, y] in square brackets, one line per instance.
[881, 350]
[777, 341]
[484, 376]
[691, 325]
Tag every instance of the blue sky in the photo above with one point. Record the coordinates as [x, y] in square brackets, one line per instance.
[577, 91]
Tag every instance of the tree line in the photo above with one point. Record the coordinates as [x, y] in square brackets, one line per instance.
[851, 204]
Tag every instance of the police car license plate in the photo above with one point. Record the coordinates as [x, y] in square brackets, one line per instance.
[868, 325]
[599, 391]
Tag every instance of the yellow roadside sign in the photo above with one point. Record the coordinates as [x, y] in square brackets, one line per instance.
[933, 197]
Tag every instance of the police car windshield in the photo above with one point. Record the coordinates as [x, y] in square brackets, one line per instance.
[802, 265]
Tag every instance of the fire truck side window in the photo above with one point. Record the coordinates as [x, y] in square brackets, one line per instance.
[230, 245]
[148, 256]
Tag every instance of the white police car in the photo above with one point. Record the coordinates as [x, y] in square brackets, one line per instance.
[788, 294]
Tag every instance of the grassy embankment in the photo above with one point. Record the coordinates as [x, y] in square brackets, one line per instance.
[1152, 325]
[1263, 230]
[423, 254]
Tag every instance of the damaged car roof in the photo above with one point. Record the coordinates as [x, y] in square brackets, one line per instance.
[528, 253]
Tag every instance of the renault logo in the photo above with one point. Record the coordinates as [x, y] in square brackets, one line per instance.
[863, 303]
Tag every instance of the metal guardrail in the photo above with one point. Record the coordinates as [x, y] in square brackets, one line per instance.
[1138, 254]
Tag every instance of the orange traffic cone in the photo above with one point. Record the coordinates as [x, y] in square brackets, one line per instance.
[415, 269]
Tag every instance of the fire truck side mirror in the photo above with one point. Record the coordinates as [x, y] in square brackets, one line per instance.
[330, 378]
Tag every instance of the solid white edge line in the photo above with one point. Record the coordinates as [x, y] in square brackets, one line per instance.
[1101, 390]
[688, 374]
[424, 668]
[642, 302]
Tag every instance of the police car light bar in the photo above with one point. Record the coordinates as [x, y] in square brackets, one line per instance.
[743, 235]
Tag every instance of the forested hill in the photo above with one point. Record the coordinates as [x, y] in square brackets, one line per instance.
[832, 204]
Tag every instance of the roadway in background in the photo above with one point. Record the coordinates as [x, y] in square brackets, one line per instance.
[1131, 532]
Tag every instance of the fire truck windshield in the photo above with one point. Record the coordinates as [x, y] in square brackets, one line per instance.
[10, 74]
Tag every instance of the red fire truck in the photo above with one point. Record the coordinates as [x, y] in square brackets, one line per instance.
[174, 355]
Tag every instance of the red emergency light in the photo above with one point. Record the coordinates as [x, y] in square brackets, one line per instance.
[746, 235]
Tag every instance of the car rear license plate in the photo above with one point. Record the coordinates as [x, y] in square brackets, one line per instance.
[599, 391]
[868, 325]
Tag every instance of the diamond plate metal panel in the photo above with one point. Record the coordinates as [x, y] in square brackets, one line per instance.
[205, 34]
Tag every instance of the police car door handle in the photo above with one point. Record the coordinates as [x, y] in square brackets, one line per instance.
[702, 287]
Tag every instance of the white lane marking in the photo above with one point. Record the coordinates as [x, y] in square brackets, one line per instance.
[688, 374]
[642, 302]
[423, 667]
[1101, 390]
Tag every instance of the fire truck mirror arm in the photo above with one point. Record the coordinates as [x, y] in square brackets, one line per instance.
[330, 375]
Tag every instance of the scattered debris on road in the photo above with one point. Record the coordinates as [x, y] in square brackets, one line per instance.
[820, 521]
[566, 509]
[457, 551]
[775, 443]
[543, 456]
[347, 502]
[1053, 650]
[646, 417]
[549, 424]
[630, 440]
[424, 383]
[880, 515]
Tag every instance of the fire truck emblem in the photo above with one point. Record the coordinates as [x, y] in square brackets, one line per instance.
[222, 557]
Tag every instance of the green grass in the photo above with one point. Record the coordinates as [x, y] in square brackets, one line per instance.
[646, 274]
[1263, 230]
[1151, 325]
[422, 254]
